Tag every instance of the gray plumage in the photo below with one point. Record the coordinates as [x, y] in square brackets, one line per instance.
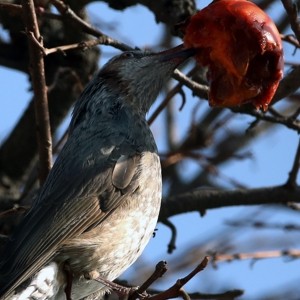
[99, 205]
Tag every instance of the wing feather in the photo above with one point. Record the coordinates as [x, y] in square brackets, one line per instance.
[76, 196]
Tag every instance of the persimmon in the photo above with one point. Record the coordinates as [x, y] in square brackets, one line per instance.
[241, 46]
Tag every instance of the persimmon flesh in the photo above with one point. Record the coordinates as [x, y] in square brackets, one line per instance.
[241, 46]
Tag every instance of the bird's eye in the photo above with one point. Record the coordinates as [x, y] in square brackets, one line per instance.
[127, 55]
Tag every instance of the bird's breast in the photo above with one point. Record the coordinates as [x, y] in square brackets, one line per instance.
[132, 224]
[112, 246]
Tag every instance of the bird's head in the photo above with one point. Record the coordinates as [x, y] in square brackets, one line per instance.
[140, 75]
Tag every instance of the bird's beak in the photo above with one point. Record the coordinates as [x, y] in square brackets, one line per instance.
[178, 54]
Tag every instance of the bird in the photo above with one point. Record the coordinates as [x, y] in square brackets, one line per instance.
[99, 205]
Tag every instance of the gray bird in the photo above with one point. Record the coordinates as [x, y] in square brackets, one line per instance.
[99, 205]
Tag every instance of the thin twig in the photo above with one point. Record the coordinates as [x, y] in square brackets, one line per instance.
[177, 89]
[183, 294]
[288, 85]
[232, 294]
[37, 71]
[274, 112]
[66, 11]
[15, 9]
[174, 291]
[37, 43]
[160, 270]
[264, 225]
[291, 253]
[103, 40]
[198, 89]
[164, 103]
[290, 38]
[172, 227]
[286, 121]
[292, 180]
[295, 115]
[11, 9]
[198, 269]
[292, 12]
[225, 295]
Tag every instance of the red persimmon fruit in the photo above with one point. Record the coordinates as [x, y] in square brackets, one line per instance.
[241, 46]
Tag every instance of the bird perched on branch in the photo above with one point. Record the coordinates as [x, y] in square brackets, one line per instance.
[99, 205]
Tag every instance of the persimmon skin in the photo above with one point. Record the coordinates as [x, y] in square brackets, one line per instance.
[241, 46]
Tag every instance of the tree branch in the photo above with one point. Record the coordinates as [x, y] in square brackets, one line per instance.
[291, 253]
[37, 71]
[174, 290]
[200, 200]
[292, 12]
[22, 140]
[86, 27]
[292, 180]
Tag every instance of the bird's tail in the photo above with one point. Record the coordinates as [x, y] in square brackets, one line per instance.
[44, 285]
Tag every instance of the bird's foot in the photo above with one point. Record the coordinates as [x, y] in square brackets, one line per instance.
[93, 275]
[123, 292]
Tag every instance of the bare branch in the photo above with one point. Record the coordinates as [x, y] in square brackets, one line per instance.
[102, 40]
[288, 85]
[22, 141]
[291, 123]
[292, 12]
[37, 71]
[172, 243]
[225, 296]
[12, 9]
[86, 27]
[183, 80]
[264, 225]
[174, 291]
[291, 182]
[160, 270]
[164, 103]
[290, 39]
[291, 253]
[200, 200]
[198, 89]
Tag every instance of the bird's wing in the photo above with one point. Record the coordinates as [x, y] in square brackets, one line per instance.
[78, 194]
